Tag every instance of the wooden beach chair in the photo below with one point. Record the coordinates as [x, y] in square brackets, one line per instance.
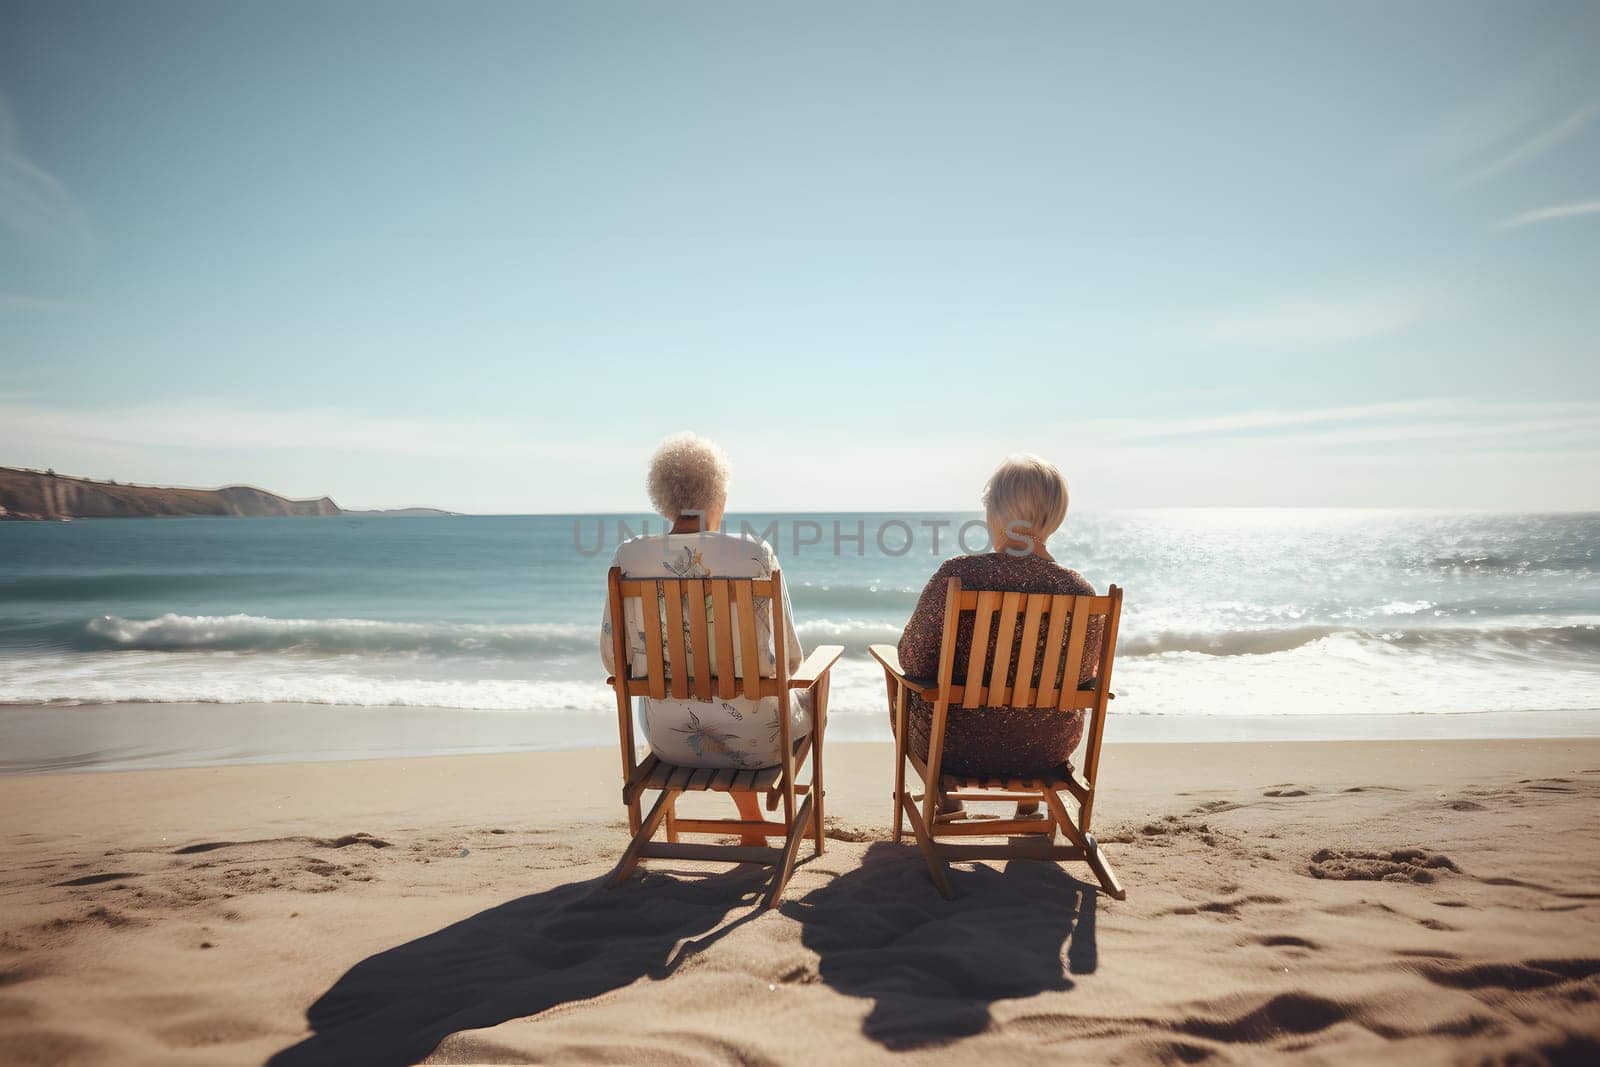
[680, 635]
[978, 684]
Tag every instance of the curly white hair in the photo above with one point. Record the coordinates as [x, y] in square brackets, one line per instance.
[687, 474]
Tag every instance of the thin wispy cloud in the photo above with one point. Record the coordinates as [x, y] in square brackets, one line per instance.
[1550, 214]
[1435, 419]
[1537, 142]
[1254, 456]
[1312, 321]
[211, 426]
[36, 209]
[1279, 419]
[208, 426]
[1495, 433]
[1527, 112]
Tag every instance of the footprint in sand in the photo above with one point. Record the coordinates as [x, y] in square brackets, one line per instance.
[1287, 791]
[94, 916]
[837, 831]
[1395, 865]
[1214, 807]
[1287, 941]
[1230, 908]
[320, 842]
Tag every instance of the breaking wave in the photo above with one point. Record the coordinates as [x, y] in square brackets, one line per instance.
[254, 633]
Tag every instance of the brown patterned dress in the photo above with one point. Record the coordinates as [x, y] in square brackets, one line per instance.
[1022, 742]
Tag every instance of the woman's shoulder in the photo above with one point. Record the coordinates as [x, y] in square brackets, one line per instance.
[740, 554]
[656, 541]
[632, 547]
[954, 567]
[1074, 583]
[748, 541]
[696, 555]
[1005, 569]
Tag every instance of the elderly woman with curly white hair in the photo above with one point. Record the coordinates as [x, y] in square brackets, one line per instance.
[688, 486]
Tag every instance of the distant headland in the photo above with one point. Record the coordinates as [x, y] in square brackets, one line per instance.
[48, 496]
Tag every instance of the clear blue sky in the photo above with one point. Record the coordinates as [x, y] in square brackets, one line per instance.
[483, 255]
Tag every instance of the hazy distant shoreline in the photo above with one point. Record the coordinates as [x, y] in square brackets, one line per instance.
[45, 496]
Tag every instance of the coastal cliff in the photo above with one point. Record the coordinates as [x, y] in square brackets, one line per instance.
[44, 495]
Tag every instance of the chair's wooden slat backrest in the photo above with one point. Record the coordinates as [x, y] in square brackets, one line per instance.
[1072, 667]
[1058, 607]
[1014, 621]
[1066, 637]
[749, 651]
[656, 672]
[999, 684]
[988, 603]
[678, 679]
[699, 637]
[1023, 689]
[693, 656]
[722, 613]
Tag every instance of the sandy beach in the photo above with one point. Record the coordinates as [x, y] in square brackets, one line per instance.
[397, 396]
[1434, 900]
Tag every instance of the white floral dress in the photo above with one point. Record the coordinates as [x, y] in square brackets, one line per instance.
[739, 732]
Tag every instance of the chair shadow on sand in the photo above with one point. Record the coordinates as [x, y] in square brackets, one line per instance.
[523, 957]
[933, 966]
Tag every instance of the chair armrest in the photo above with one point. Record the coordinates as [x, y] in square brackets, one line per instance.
[888, 658]
[815, 666]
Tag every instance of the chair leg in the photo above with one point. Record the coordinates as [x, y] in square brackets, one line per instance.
[819, 723]
[1102, 869]
[899, 760]
[899, 792]
[1091, 848]
[936, 866]
[647, 830]
[1062, 820]
[672, 822]
[791, 848]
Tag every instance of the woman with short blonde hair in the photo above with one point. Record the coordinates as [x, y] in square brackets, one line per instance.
[1027, 492]
[1026, 501]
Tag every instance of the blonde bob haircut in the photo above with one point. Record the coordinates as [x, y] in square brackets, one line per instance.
[687, 474]
[1028, 490]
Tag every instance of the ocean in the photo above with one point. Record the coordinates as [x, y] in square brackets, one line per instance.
[1277, 622]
